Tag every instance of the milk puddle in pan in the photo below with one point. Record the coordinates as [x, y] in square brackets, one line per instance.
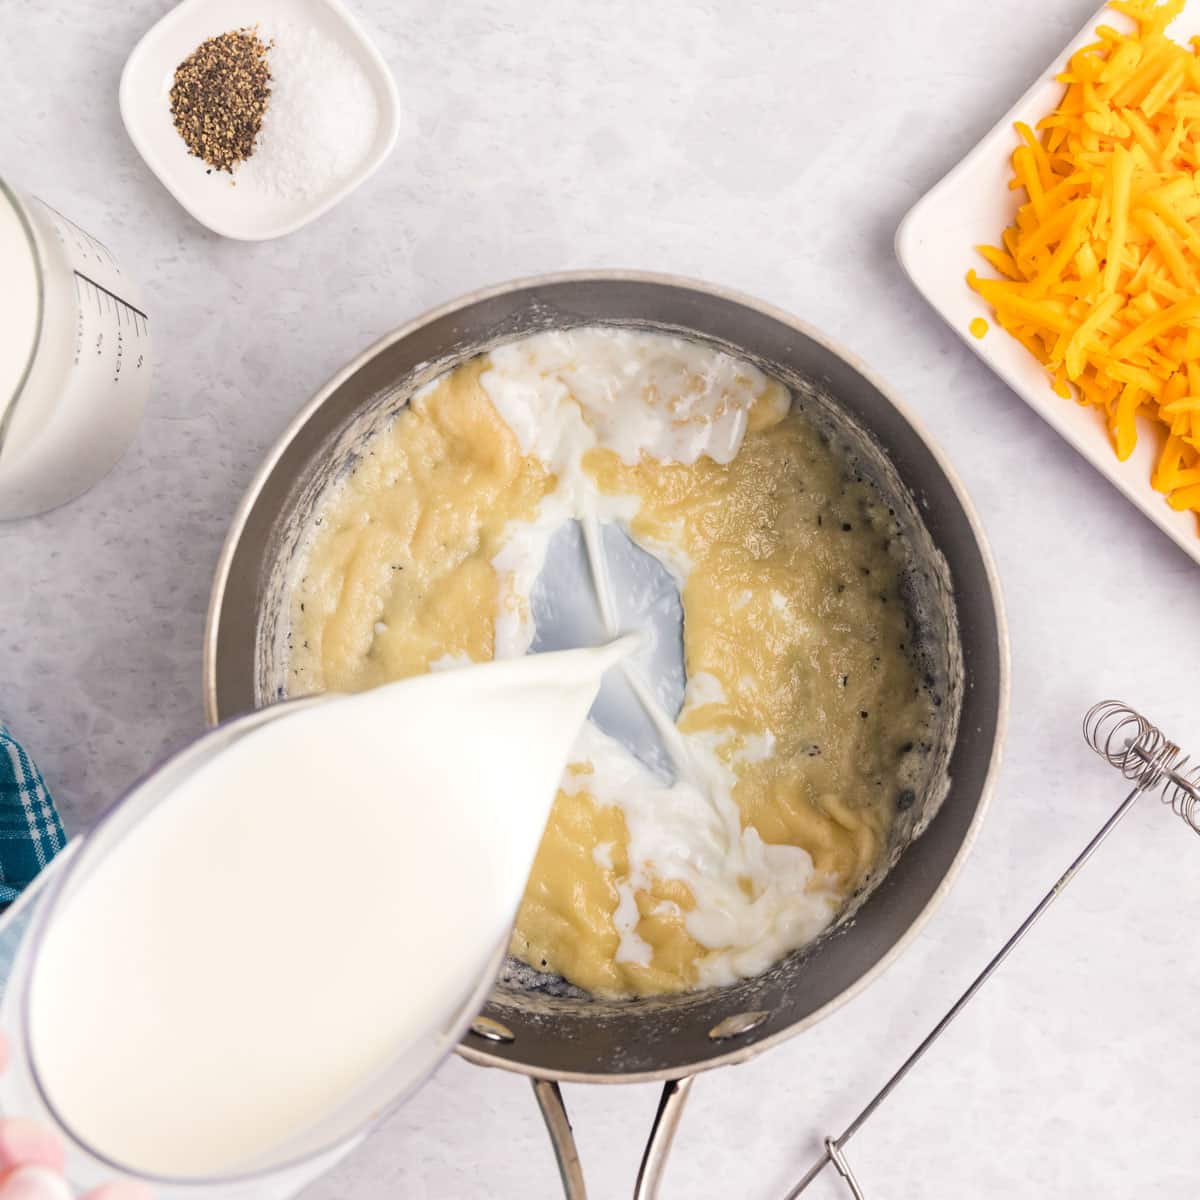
[304, 917]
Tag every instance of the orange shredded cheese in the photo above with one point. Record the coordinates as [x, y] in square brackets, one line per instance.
[1099, 273]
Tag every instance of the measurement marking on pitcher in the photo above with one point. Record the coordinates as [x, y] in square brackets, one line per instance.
[102, 293]
[99, 250]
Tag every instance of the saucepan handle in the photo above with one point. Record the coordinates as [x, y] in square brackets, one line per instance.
[658, 1146]
[558, 1125]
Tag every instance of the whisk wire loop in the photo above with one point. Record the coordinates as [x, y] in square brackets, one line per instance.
[1145, 756]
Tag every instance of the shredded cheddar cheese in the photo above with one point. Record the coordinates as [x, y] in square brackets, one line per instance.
[1099, 273]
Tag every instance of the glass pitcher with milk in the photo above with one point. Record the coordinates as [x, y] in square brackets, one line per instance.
[74, 357]
[274, 939]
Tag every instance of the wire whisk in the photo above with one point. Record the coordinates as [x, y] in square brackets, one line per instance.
[1151, 762]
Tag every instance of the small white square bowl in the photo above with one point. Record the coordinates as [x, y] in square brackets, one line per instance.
[213, 199]
[936, 245]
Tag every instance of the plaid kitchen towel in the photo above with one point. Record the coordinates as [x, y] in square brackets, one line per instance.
[30, 832]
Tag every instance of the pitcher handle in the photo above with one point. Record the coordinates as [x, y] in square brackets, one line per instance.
[658, 1145]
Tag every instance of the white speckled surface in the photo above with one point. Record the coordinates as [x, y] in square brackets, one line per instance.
[773, 148]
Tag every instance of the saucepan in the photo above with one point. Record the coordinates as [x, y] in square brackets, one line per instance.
[541, 1026]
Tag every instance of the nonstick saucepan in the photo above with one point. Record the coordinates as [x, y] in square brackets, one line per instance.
[538, 1025]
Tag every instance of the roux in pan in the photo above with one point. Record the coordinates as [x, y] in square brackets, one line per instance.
[805, 715]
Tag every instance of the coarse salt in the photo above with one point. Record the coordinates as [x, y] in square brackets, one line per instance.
[322, 118]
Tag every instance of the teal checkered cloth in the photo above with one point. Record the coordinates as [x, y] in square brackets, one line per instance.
[30, 832]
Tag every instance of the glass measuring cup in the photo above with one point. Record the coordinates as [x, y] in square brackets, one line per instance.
[74, 357]
[287, 1168]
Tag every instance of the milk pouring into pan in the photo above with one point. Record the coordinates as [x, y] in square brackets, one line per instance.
[74, 357]
[281, 933]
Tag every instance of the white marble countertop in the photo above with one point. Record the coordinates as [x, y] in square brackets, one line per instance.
[772, 148]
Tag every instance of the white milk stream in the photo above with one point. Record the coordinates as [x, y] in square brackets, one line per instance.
[311, 909]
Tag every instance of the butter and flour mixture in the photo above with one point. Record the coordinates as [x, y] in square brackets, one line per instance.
[805, 715]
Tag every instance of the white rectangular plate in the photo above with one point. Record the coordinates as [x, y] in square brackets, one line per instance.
[972, 205]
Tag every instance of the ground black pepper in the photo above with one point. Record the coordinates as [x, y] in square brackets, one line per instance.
[220, 93]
